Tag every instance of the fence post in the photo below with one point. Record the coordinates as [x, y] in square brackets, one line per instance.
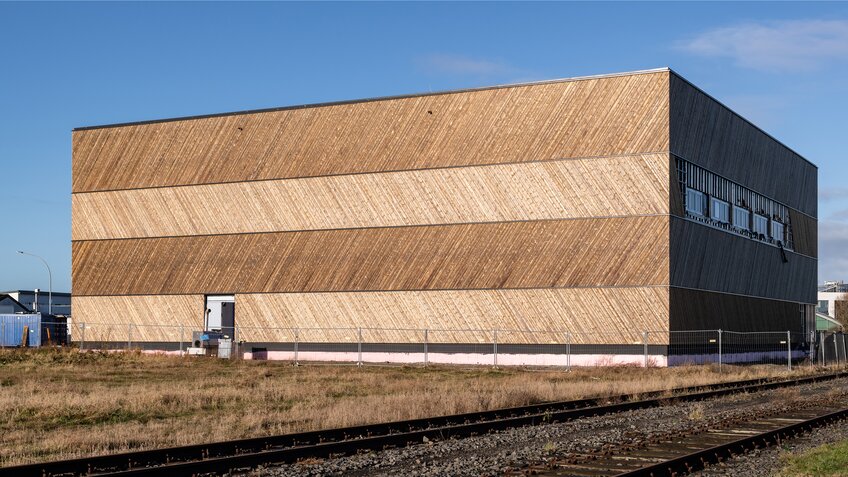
[821, 347]
[844, 351]
[568, 351]
[645, 340]
[812, 342]
[182, 339]
[789, 350]
[359, 347]
[495, 342]
[296, 343]
[129, 336]
[719, 351]
[835, 350]
[82, 335]
[2, 334]
[426, 346]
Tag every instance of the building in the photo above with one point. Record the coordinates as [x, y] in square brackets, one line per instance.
[20, 326]
[833, 301]
[827, 323]
[9, 305]
[39, 300]
[602, 206]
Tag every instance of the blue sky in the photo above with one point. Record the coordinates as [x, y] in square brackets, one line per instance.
[64, 65]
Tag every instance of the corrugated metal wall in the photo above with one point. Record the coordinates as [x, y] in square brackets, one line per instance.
[39, 329]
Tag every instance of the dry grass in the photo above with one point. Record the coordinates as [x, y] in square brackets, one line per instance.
[62, 404]
[697, 412]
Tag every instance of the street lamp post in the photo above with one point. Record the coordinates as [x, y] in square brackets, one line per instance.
[49, 278]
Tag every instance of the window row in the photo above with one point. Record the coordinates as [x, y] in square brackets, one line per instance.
[719, 202]
[719, 211]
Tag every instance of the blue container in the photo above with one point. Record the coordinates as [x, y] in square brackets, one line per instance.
[12, 330]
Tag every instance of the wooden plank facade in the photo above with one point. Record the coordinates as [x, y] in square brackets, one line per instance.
[464, 314]
[564, 188]
[527, 254]
[532, 208]
[618, 115]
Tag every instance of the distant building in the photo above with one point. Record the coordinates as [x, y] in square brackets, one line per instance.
[27, 298]
[833, 300]
[827, 323]
[9, 305]
[602, 206]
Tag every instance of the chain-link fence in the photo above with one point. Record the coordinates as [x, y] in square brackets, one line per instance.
[368, 345]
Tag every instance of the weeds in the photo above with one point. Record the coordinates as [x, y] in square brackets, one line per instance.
[696, 413]
[66, 404]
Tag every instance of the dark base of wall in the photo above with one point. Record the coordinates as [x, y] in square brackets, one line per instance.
[701, 310]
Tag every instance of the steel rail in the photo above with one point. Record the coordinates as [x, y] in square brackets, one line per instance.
[699, 460]
[241, 453]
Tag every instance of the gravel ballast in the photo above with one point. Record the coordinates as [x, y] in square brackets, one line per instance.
[512, 450]
[770, 461]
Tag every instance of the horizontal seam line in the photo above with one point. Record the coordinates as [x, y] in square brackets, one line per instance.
[341, 174]
[442, 290]
[739, 294]
[690, 221]
[377, 227]
[419, 290]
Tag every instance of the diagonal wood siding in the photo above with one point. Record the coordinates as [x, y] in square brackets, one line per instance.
[615, 186]
[564, 253]
[153, 318]
[457, 210]
[591, 315]
[580, 118]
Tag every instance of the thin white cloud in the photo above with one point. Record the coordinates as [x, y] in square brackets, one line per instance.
[775, 46]
[827, 194]
[464, 66]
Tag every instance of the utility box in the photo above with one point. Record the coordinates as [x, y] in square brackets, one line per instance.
[211, 343]
[225, 348]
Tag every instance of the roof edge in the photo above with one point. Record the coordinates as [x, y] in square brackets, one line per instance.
[3, 296]
[376, 98]
[743, 118]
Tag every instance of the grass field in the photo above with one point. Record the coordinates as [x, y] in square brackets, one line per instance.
[62, 404]
[829, 460]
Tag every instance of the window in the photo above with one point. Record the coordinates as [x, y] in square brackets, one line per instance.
[741, 218]
[696, 202]
[777, 230]
[718, 202]
[720, 210]
[822, 308]
[760, 224]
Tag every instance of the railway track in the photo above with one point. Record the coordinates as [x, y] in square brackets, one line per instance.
[683, 453]
[243, 454]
